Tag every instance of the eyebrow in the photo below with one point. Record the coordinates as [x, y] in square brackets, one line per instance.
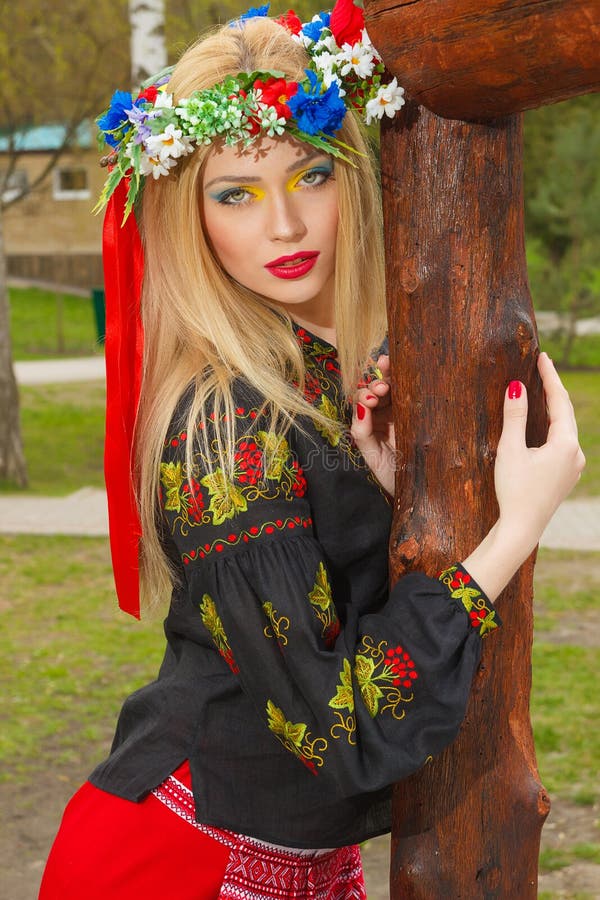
[251, 179]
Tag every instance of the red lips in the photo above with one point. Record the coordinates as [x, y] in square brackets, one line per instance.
[293, 266]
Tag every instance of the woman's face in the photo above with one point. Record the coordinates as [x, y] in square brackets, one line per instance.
[271, 216]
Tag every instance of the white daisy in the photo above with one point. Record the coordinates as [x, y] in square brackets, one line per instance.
[389, 99]
[358, 59]
[171, 144]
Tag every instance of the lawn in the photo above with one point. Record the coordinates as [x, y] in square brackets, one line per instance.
[46, 324]
[63, 434]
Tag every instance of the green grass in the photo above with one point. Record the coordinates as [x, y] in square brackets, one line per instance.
[70, 656]
[584, 388]
[45, 324]
[63, 435]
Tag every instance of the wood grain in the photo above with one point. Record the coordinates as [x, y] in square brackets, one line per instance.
[461, 326]
[471, 60]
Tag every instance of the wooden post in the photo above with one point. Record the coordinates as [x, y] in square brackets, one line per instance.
[461, 326]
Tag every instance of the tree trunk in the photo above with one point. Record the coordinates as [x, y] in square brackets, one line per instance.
[148, 49]
[12, 459]
[461, 326]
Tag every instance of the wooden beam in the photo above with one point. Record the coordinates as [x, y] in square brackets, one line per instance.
[471, 60]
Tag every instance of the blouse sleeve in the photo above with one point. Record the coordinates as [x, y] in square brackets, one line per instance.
[360, 703]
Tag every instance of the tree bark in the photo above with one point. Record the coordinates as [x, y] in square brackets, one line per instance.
[461, 326]
[12, 458]
[148, 48]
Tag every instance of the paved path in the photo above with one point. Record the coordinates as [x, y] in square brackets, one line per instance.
[576, 526]
[58, 371]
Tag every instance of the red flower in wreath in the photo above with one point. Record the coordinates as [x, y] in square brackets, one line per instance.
[149, 94]
[276, 92]
[290, 21]
[347, 22]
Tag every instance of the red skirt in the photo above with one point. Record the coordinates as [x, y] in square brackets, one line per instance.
[108, 848]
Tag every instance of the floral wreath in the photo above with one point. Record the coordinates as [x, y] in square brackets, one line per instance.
[150, 134]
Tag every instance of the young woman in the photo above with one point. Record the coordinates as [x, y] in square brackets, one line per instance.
[295, 687]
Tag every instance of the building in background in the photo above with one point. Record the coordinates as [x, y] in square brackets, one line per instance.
[51, 235]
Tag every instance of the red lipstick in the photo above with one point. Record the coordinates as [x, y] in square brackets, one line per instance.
[293, 266]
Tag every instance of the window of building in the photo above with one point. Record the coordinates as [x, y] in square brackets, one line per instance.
[16, 184]
[71, 184]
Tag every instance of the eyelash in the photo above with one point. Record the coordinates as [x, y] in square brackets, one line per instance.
[225, 199]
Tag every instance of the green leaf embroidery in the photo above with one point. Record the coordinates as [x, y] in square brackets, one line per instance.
[466, 595]
[488, 623]
[286, 731]
[212, 622]
[320, 595]
[328, 409]
[344, 699]
[276, 451]
[370, 692]
[172, 479]
[226, 500]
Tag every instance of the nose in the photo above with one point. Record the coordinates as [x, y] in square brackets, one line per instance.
[285, 222]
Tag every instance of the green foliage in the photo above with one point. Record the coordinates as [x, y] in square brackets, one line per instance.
[562, 205]
[45, 324]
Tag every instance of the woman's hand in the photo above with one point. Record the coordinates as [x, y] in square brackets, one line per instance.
[531, 482]
[373, 428]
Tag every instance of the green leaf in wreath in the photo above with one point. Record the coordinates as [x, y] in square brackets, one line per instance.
[172, 478]
[226, 500]
[344, 699]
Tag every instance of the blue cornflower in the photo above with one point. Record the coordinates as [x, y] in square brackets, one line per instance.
[255, 12]
[115, 116]
[315, 111]
[313, 30]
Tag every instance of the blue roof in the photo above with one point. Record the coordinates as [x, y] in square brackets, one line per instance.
[47, 137]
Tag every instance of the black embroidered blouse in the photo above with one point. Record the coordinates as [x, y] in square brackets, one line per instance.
[295, 682]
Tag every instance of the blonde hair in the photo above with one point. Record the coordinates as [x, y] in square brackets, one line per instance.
[197, 319]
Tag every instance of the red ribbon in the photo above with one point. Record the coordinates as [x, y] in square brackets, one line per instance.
[123, 258]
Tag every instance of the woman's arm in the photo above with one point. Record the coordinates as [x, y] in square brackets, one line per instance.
[530, 482]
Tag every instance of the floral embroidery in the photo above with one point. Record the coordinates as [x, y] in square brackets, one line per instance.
[383, 675]
[322, 603]
[212, 623]
[330, 410]
[344, 699]
[296, 738]
[182, 497]
[481, 615]
[226, 500]
[255, 531]
[278, 624]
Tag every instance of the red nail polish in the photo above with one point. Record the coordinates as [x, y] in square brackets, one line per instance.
[370, 397]
[514, 390]
[360, 411]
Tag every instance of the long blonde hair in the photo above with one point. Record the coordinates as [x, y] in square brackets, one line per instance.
[197, 320]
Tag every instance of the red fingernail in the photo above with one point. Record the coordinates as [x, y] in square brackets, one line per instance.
[370, 397]
[514, 390]
[360, 411]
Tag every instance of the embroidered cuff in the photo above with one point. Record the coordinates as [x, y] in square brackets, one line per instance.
[465, 590]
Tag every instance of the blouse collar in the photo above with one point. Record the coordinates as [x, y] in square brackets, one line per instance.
[312, 344]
